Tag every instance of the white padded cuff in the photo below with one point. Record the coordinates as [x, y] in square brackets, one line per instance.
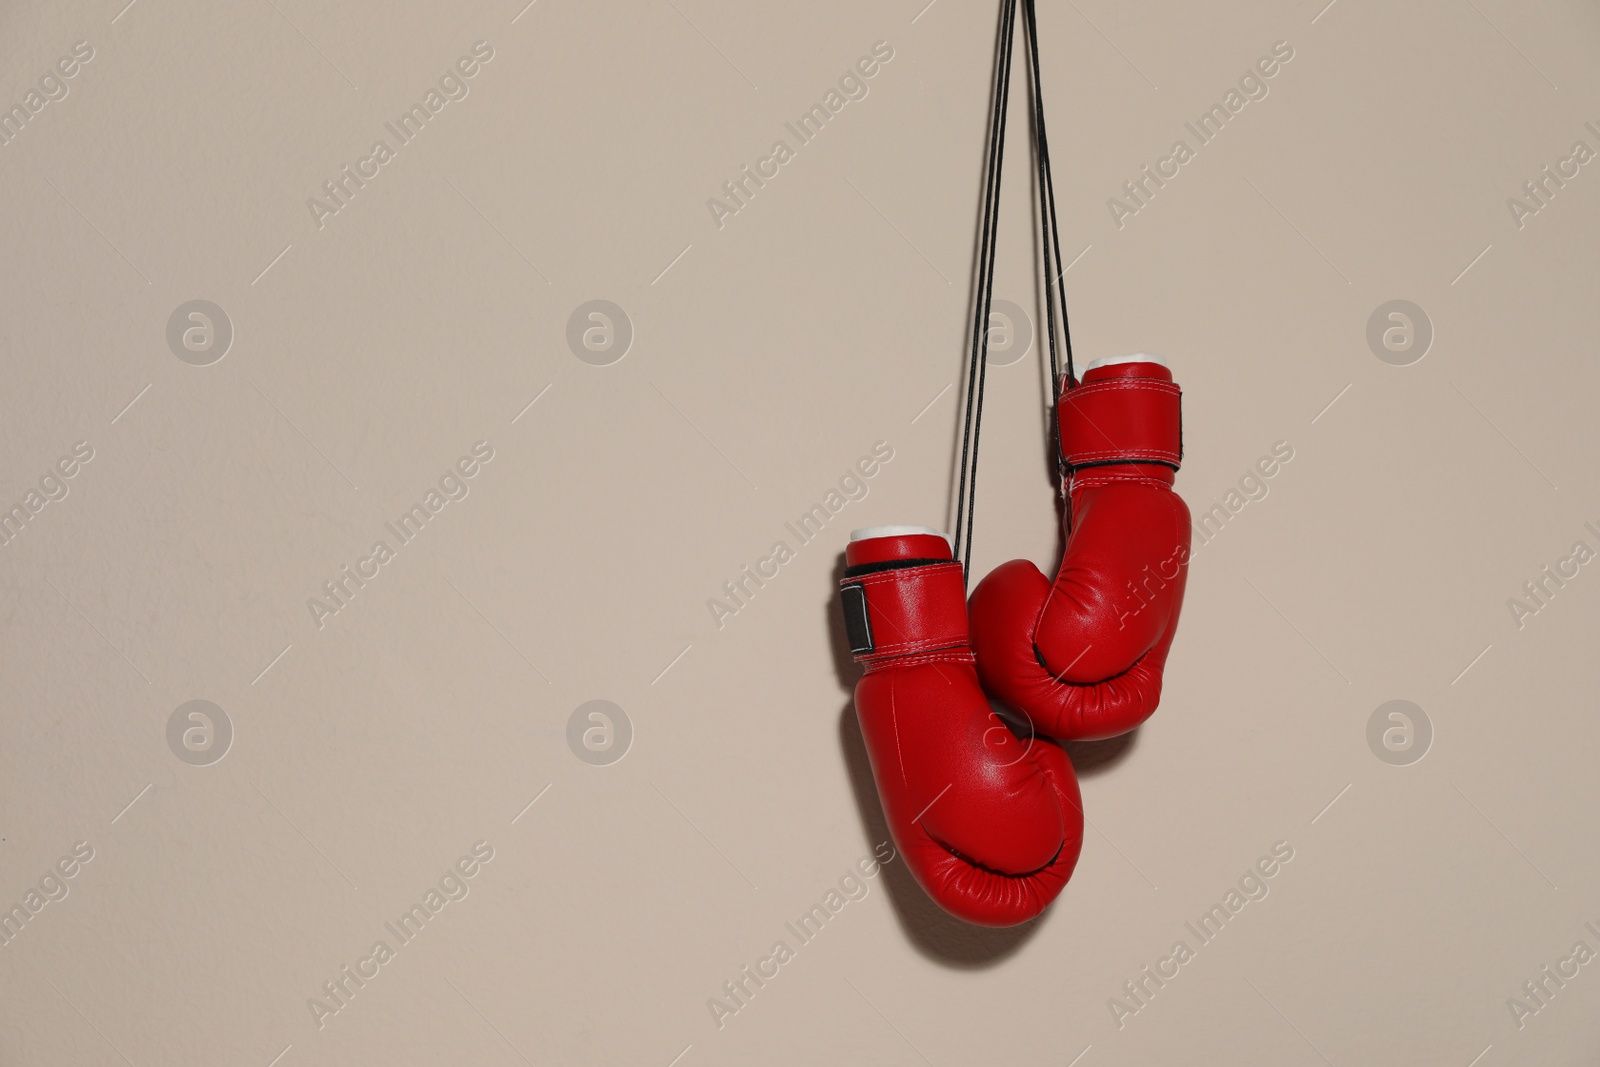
[867, 533]
[1137, 357]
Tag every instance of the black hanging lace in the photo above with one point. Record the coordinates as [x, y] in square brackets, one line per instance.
[1050, 240]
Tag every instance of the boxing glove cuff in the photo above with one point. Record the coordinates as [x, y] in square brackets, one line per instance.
[902, 596]
[894, 610]
[1122, 419]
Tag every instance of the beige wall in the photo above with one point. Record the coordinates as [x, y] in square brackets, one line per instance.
[372, 348]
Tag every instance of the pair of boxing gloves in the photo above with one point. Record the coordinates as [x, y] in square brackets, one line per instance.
[986, 811]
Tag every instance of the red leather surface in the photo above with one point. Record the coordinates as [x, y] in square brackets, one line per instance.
[990, 823]
[1126, 411]
[1083, 656]
[907, 546]
[1135, 369]
[914, 609]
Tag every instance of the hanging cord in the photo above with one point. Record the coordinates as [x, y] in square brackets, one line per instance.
[1050, 232]
[966, 494]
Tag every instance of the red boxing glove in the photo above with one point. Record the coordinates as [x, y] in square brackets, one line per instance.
[1083, 658]
[990, 824]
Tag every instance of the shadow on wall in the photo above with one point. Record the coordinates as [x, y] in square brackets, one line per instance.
[940, 937]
